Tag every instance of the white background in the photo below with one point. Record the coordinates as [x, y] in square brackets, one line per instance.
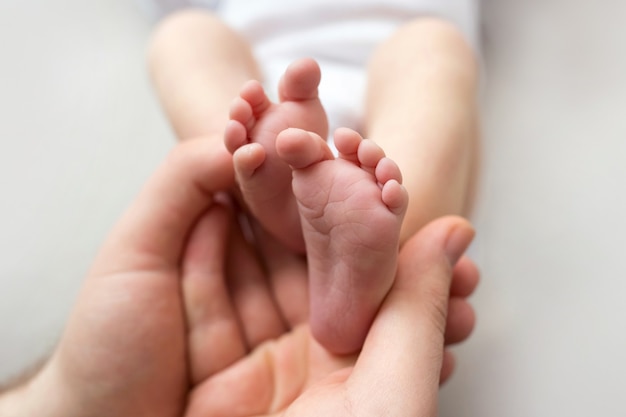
[80, 131]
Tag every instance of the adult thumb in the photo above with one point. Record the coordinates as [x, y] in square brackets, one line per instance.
[398, 370]
[153, 231]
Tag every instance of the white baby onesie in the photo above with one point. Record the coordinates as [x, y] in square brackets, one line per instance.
[339, 34]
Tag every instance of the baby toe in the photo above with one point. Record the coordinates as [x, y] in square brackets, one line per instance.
[387, 170]
[395, 197]
[369, 154]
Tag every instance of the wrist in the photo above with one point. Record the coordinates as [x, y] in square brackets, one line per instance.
[38, 395]
[15, 393]
[15, 401]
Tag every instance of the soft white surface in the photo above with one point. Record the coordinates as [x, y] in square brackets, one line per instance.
[80, 132]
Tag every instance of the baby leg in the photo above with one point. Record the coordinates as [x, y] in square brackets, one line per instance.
[421, 107]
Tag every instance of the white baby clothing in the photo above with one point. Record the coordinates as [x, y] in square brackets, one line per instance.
[339, 34]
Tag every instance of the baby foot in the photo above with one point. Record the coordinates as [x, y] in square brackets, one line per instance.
[351, 211]
[263, 178]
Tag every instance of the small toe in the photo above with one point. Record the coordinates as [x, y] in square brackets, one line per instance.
[235, 135]
[241, 111]
[387, 170]
[254, 94]
[347, 142]
[369, 154]
[247, 159]
[395, 197]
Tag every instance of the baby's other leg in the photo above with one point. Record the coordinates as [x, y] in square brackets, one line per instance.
[264, 179]
[198, 64]
[351, 209]
[421, 108]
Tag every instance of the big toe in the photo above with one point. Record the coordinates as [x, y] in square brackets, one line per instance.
[300, 81]
[300, 148]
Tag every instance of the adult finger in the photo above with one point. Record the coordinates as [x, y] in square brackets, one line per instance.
[447, 367]
[465, 278]
[461, 317]
[460, 320]
[250, 291]
[459, 326]
[403, 353]
[214, 336]
[287, 273]
[152, 233]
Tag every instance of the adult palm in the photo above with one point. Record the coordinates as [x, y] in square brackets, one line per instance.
[181, 316]
[281, 370]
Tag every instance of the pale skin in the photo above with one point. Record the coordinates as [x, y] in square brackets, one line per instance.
[352, 236]
[348, 210]
[263, 177]
[161, 327]
[425, 119]
[420, 109]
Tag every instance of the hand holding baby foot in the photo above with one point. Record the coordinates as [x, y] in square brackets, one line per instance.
[293, 375]
[180, 316]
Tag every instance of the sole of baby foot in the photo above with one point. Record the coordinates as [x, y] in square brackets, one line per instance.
[351, 209]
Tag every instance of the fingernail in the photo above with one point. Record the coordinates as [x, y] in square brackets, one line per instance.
[457, 242]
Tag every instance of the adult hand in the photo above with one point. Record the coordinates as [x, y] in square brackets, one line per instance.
[397, 372]
[179, 317]
[124, 351]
